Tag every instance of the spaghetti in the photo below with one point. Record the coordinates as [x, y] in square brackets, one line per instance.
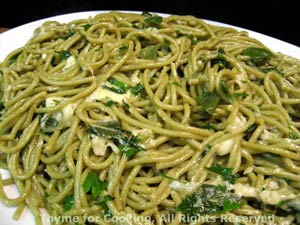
[162, 119]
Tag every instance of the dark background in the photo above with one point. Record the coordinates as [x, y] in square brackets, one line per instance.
[276, 18]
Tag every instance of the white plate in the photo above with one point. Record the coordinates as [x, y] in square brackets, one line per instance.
[14, 38]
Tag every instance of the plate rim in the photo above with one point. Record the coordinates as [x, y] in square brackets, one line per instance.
[16, 41]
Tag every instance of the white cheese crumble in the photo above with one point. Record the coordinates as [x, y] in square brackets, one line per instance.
[100, 145]
[100, 94]
[186, 187]
[224, 147]
[69, 62]
[67, 112]
[238, 122]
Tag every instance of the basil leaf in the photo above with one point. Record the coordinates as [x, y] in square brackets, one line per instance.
[149, 52]
[153, 20]
[257, 55]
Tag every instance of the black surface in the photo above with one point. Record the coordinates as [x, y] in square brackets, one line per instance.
[276, 18]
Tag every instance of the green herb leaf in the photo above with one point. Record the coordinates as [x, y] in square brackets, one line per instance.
[209, 199]
[257, 55]
[193, 39]
[175, 83]
[110, 103]
[46, 194]
[165, 46]
[207, 147]
[137, 89]
[149, 52]
[224, 172]
[293, 136]
[64, 54]
[68, 202]
[48, 124]
[129, 146]
[1, 106]
[229, 205]
[239, 95]
[86, 26]
[153, 20]
[13, 59]
[205, 125]
[67, 35]
[93, 184]
[105, 129]
[120, 88]
[220, 60]
[123, 49]
[209, 102]
[251, 128]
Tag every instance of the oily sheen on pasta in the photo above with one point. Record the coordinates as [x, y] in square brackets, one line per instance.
[129, 118]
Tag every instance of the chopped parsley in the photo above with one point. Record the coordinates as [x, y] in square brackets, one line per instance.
[86, 26]
[123, 49]
[209, 199]
[93, 184]
[68, 202]
[118, 86]
[121, 88]
[226, 173]
[209, 102]
[64, 54]
[137, 89]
